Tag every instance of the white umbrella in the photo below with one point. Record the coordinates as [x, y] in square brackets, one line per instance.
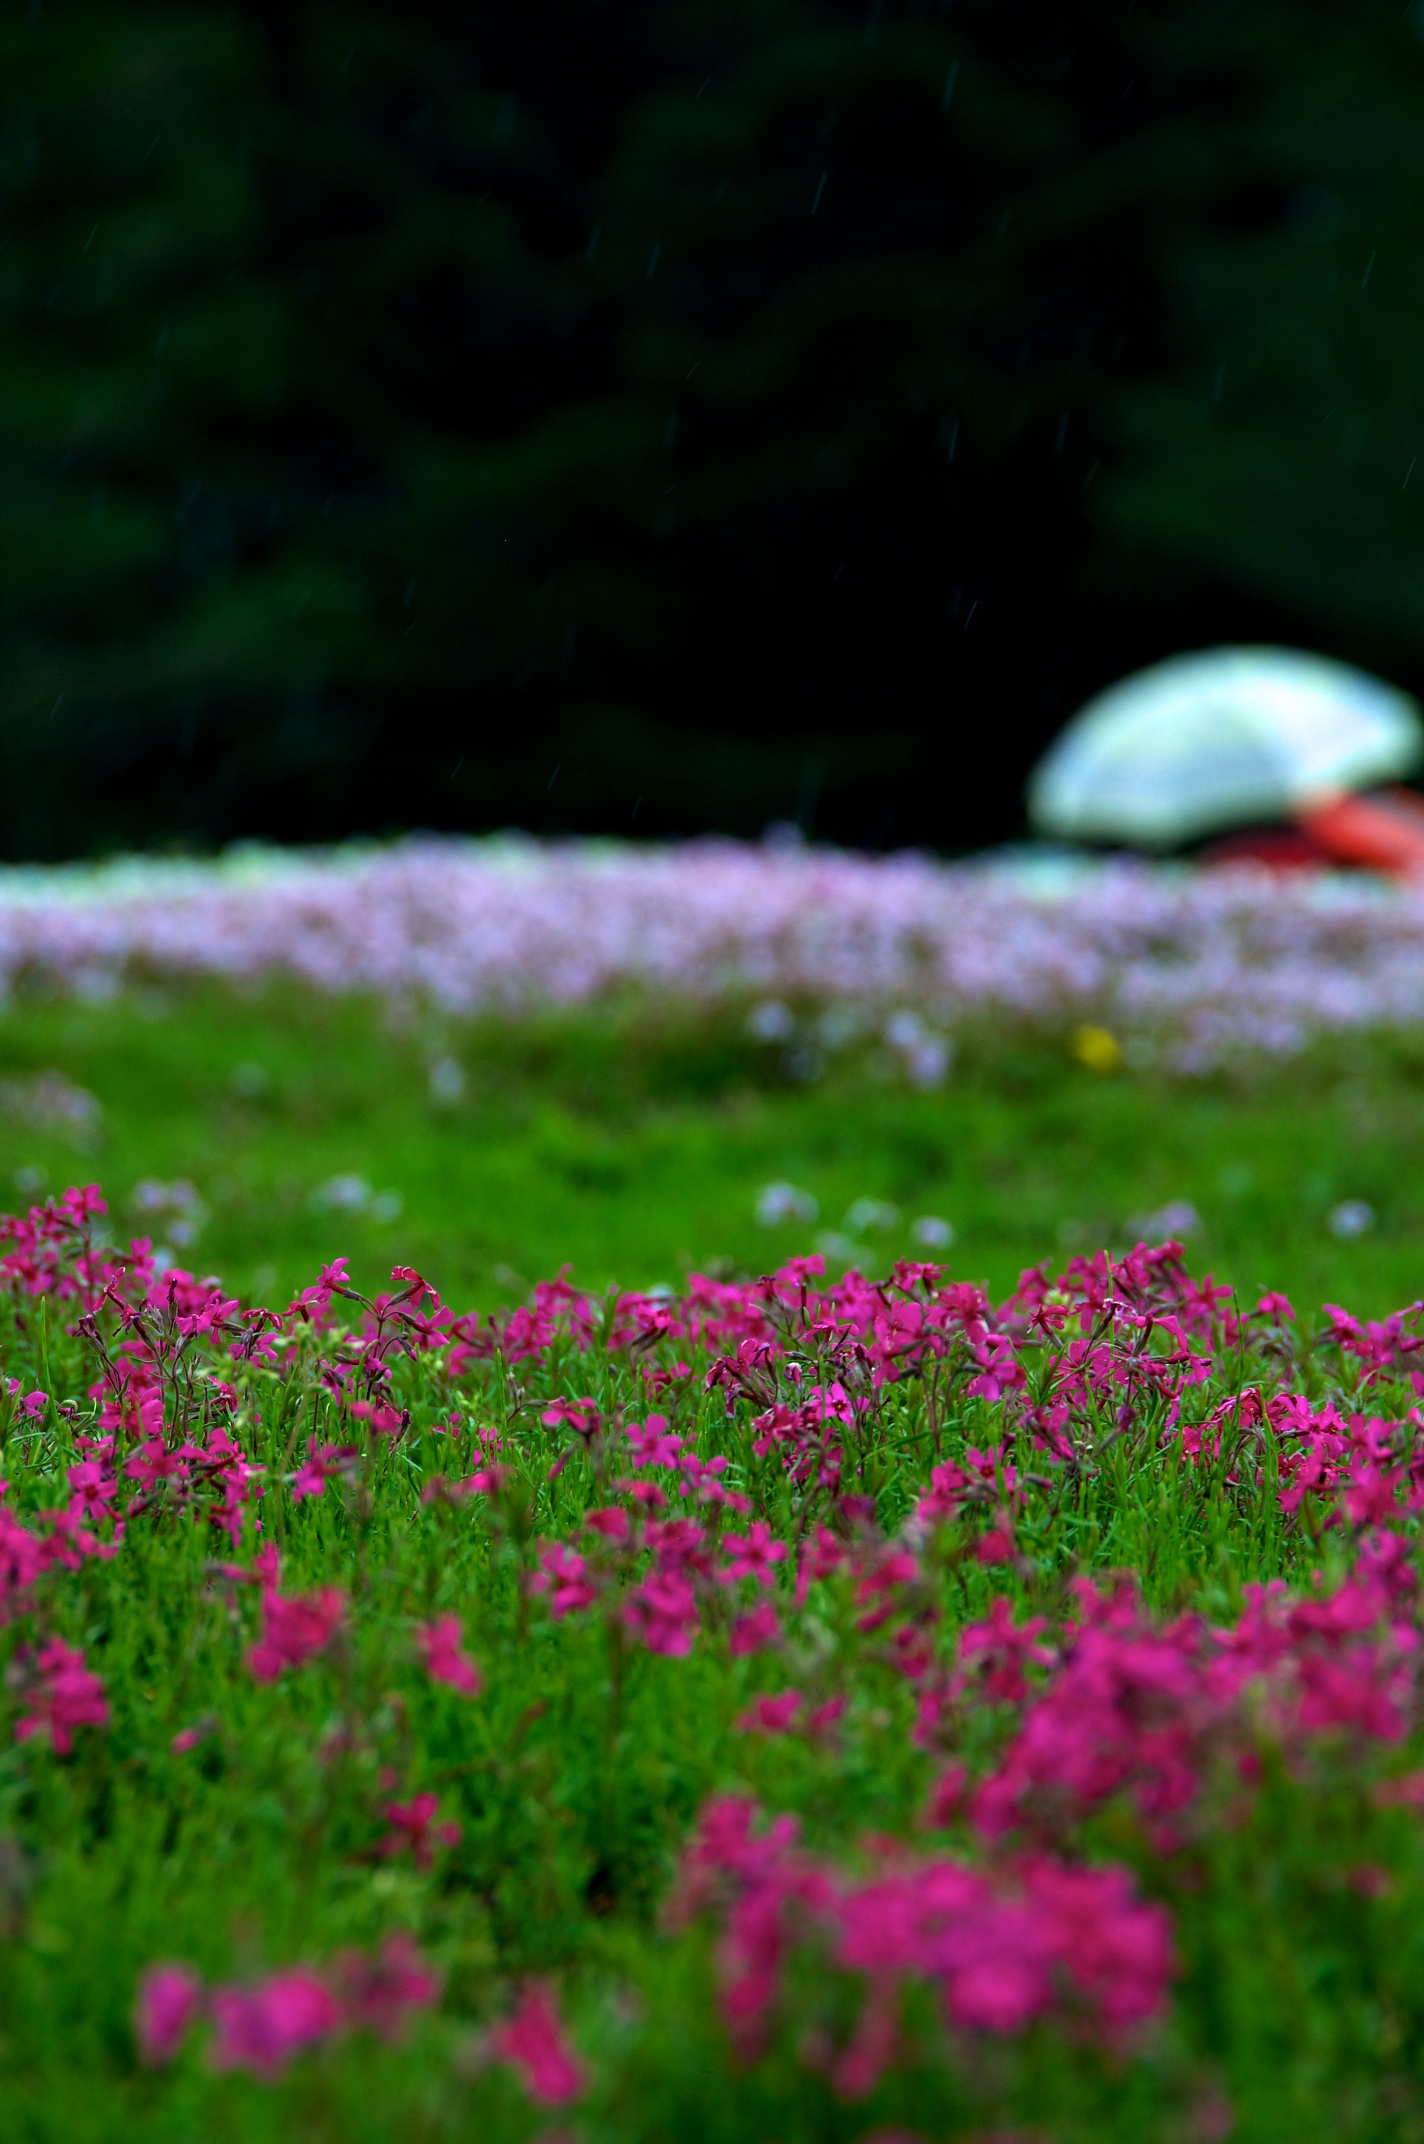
[1220, 739]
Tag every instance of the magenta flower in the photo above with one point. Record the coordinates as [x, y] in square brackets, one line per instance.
[532, 2041]
[94, 1488]
[380, 1993]
[1003, 1945]
[315, 1302]
[1404, 1791]
[169, 1998]
[771, 1715]
[385, 1421]
[946, 1797]
[649, 1494]
[948, 1489]
[755, 1554]
[755, 1631]
[999, 1649]
[444, 1661]
[662, 1611]
[321, 1464]
[260, 2028]
[581, 1416]
[189, 1737]
[294, 1627]
[654, 1445]
[612, 1522]
[818, 1724]
[485, 1481]
[414, 1830]
[702, 1478]
[65, 1695]
[1370, 1499]
[563, 1576]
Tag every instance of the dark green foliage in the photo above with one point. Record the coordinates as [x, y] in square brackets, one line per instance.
[676, 414]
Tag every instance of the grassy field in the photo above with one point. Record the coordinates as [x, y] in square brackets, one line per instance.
[633, 1146]
[731, 1721]
[404, 1731]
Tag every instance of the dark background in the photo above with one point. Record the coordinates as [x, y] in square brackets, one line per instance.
[679, 414]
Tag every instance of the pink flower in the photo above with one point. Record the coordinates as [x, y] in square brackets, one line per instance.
[380, 1993]
[563, 1575]
[316, 1300]
[66, 1695]
[320, 1465]
[1370, 1497]
[533, 2042]
[755, 1631]
[486, 1481]
[999, 1650]
[444, 1661]
[612, 1522]
[646, 1493]
[260, 2028]
[654, 1445]
[818, 1724]
[771, 1715]
[662, 1611]
[415, 1832]
[1404, 1791]
[294, 1627]
[94, 1488]
[189, 1737]
[169, 1999]
[946, 1797]
[702, 1478]
[1001, 1944]
[754, 1555]
[385, 1421]
[581, 1416]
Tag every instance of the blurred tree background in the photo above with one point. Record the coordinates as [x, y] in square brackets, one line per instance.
[683, 413]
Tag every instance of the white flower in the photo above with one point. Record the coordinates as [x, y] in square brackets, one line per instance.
[778, 1203]
[1351, 1218]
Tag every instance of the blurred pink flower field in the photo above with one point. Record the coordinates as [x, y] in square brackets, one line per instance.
[1194, 964]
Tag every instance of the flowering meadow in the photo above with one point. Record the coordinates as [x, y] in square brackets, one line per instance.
[799, 1708]
[1194, 966]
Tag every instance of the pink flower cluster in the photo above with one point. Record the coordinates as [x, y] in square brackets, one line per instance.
[61, 1694]
[261, 2025]
[1033, 1935]
[1202, 962]
[294, 1627]
[532, 2040]
[1158, 1716]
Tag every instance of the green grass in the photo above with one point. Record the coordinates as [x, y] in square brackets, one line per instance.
[576, 1774]
[632, 1145]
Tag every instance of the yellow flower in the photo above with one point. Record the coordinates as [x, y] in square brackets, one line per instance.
[1096, 1048]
